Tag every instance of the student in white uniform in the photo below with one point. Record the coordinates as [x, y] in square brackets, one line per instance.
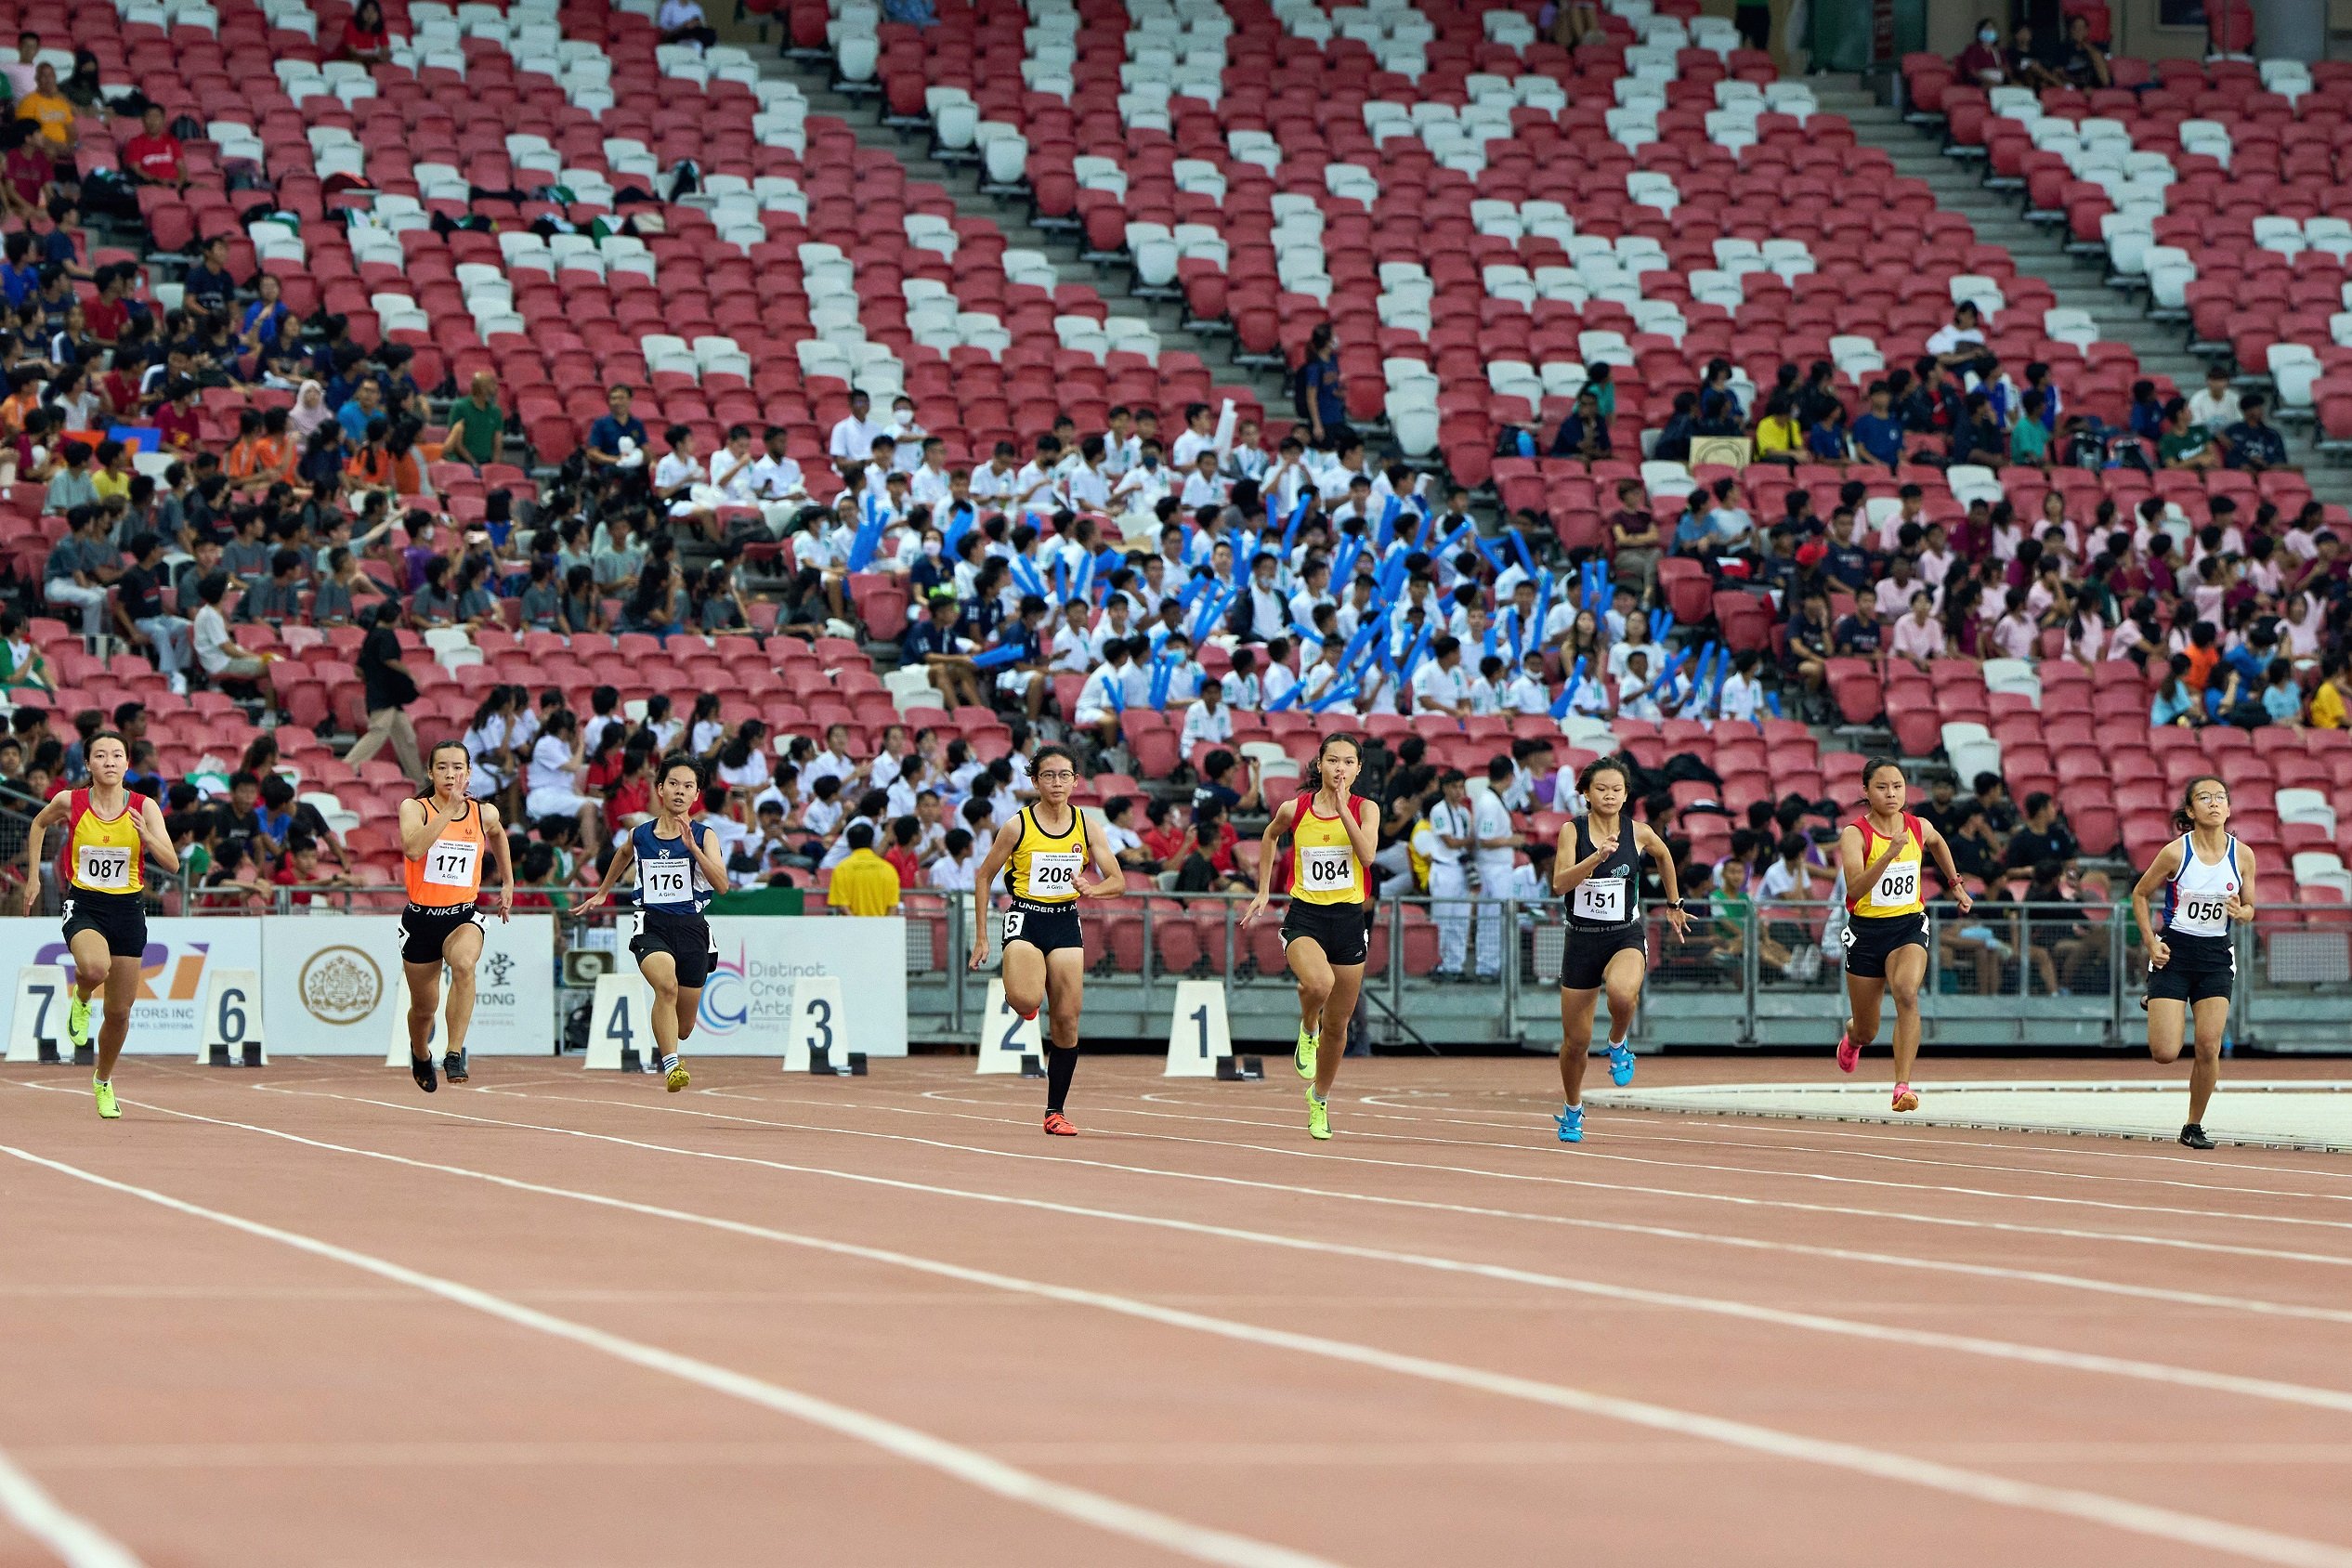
[1497, 847]
[1453, 840]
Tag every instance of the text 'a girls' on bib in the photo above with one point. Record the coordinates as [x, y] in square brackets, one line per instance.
[104, 867]
[1327, 868]
[1600, 898]
[450, 863]
[1054, 875]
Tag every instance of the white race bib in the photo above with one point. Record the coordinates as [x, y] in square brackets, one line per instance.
[1898, 885]
[106, 867]
[2199, 914]
[1054, 875]
[1601, 898]
[450, 863]
[664, 882]
[1327, 868]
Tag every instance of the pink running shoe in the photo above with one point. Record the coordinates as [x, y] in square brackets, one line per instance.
[1848, 1053]
[1906, 1097]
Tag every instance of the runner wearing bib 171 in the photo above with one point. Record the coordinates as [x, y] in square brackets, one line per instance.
[1333, 838]
[443, 835]
[109, 834]
[679, 865]
[1044, 852]
[2208, 880]
[1882, 853]
[1598, 866]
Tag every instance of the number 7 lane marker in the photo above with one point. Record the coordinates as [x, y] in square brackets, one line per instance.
[1197, 1542]
[2250, 1543]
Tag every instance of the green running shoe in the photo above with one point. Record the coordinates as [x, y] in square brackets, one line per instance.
[108, 1109]
[676, 1078]
[1304, 1058]
[77, 1021]
[1318, 1118]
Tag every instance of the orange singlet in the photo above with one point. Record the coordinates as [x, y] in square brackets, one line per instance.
[449, 874]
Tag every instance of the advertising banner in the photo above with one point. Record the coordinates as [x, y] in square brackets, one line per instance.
[167, 1019]
[329, 984]
[747, 1005]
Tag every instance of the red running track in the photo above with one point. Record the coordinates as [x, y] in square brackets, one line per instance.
[313, 1316]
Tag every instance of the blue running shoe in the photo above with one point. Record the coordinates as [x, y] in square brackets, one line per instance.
[1571, 1124]
[1620, 1065]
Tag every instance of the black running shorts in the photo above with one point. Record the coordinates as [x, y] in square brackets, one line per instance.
[425, 930]
[1047, 927]
[1338, 929]
[686, 938]
[121, 917]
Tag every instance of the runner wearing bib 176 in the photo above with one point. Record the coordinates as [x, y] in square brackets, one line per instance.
[1044, 853]
[679, 865]
[1882, 851]
[2208, 879]
[1333, 838]
[107, 829]
[443, 834]
[1598, 866]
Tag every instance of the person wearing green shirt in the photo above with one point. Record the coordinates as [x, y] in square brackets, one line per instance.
[478, 425]
[2184, 445]
[2028, 438]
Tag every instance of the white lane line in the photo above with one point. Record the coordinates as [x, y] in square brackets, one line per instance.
[1664, 1233]
[1586, 1152]
[75, 1541]
[2276, 1390]
[967, 1465]
[1792, 1204]
[2249, 1542]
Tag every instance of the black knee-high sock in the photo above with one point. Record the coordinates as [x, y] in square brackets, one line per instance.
[1061, 1066]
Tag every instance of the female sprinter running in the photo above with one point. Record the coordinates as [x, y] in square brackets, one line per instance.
[109, 831]
[1333, 838]
[679, 866]
[1599, 866]
[1885, 939]
[1046, 848]
[2208, 878]
[443, 832]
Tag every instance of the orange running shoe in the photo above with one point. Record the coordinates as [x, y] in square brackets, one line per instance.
[1059, 1125]
[1906, 1097]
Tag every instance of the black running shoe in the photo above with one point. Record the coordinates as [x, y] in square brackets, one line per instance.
[454, 1066]
[421, 1067]
[2192, 1136]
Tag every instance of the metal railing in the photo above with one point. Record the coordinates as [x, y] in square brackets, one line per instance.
[1479, 972]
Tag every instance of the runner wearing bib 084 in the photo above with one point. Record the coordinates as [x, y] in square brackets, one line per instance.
[1326, 885]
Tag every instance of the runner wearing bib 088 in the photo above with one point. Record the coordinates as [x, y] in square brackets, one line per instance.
[108, 835]
[444, 833]
[1043, 852]
[1598, 867]
[1882, 853]
[1333, 838]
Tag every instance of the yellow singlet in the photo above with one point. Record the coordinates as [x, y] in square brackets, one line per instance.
[102, 854]
[1897, 890]
[1323, 868]
[1044, 867]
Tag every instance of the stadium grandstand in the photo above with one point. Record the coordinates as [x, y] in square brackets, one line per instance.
[858, 397]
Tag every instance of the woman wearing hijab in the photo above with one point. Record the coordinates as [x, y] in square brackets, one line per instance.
[311, 410]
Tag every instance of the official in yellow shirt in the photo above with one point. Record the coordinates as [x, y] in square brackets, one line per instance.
[2327, 703]
[49, 109]
[864, 883]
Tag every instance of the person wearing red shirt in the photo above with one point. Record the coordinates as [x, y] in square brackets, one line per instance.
[176, 417]
[901, 852]
[364, 35]
[155, 156]
[108, 314]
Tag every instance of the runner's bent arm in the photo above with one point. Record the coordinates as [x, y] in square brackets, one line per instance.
[149, 821]
[2242, 907]
[624, 855]
[1114, 878]
[1362, 825]
[421, 823]
[1943, 852]
[1648, 842]
[1000, 851]
[1566, 874]
[2163, 869]
[498, 846]
[1849, 855]
[702, 846]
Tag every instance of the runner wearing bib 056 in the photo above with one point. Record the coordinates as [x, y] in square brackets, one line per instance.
[2207, 878]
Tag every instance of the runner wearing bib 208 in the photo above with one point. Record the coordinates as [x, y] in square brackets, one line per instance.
[1598, 867]
[1882, 853]
[678, 866]
[2208, 878]
[1333, 838]
[110, 834]
[1043, 852]
[444, 833]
